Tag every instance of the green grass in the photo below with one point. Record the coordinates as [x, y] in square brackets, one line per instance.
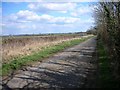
[105, 79]
[37, 56]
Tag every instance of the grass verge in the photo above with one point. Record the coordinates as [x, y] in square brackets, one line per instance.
[37, 56]
[105, 79]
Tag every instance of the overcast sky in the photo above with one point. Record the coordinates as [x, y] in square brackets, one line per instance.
[46, 17]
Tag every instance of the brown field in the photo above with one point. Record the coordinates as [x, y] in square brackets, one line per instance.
[14, 47]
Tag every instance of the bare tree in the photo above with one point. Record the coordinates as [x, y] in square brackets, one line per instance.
[107, 17]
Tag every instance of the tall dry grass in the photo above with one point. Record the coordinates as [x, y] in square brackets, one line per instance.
[17, 47]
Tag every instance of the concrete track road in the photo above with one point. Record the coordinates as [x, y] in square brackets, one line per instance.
[68, 69]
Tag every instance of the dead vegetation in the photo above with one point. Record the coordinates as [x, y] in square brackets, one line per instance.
[15, 47]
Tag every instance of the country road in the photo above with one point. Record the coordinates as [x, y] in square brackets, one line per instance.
[71, 68]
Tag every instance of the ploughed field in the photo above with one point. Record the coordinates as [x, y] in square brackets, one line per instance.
[18, 46]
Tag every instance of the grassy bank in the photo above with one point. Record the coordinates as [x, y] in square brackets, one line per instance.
[105, 79]
[37, 56]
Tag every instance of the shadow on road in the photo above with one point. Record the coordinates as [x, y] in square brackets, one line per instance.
[69, 69]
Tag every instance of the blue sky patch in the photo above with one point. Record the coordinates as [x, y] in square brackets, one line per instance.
[34, 18]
